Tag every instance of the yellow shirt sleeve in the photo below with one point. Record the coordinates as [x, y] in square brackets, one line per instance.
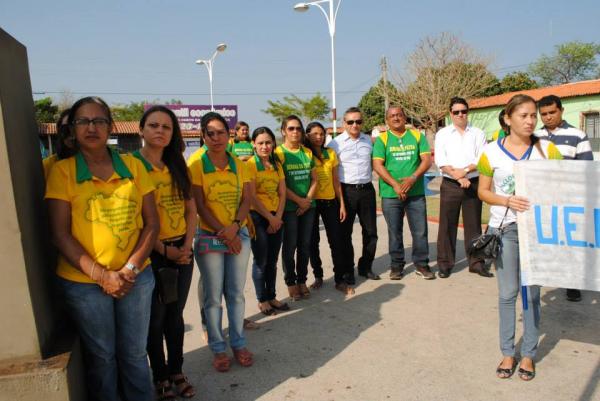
[57, 185]
[196, 172]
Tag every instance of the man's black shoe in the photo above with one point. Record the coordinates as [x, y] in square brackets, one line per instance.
[573, 295]
[370, 275]
[396, 273]
[481, 271]
[444, 273]
[349, 279]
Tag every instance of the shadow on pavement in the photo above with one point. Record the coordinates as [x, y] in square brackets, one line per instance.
[322, 326]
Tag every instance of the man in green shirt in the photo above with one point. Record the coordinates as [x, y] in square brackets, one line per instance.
[400, 158]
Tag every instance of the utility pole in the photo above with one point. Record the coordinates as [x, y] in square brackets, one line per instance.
[384, 78]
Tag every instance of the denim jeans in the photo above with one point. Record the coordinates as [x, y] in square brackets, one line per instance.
[509, 284]
[114, 334]
[224, 275]
[265, 248]
[166, 321]
[297, 231]
[416, 212]
[329, 210]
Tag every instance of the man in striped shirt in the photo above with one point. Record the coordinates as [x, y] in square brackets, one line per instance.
[572, 143]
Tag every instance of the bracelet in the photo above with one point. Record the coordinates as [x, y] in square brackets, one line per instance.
[93, 268]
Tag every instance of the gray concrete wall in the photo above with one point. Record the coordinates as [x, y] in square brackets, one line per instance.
[27, 312]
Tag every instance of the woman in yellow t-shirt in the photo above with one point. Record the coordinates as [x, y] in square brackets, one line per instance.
[104, 223]
[330, 206]
[267, 184]
[221, 189]
[172, 255]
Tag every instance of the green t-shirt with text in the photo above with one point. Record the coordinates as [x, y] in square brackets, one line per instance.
[241, 148]
[401, 155]
[297, 165]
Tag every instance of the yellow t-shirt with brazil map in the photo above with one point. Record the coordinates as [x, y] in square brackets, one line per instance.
[324, 171]
[106, 216]
[222, 189]
[266, 182]
[170, 206]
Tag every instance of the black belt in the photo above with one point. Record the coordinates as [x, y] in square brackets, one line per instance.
[358, 186]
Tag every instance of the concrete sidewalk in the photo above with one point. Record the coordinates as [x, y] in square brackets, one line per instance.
[399, 340]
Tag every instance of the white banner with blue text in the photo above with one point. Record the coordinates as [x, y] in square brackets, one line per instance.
[559, 236]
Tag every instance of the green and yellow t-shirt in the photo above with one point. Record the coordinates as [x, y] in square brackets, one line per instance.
[170, 206]
[241, 148]
[297, 165]
[324, 171]
[106, 216]
[196, 155]
[48, 162]
[222, 189]
[266, 182]
[401, 155]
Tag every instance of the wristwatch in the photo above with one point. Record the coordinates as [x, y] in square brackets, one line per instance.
[414, 177]
[132, 268]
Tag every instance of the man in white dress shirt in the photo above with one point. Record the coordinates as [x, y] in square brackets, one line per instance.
[457, 150]
[354, 149]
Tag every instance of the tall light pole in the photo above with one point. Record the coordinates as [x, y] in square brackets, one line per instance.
[209, 66]
[330, 16]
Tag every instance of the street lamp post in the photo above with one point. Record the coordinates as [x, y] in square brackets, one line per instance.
[209, 66]
[330, 16]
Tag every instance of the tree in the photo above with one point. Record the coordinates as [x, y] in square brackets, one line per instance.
[440, 68]
[314, 108]
[130, 112]
[517, 81]
[572, 61]
[45, 110]
[372, 105]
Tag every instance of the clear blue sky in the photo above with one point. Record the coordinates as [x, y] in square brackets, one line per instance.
[144, 50]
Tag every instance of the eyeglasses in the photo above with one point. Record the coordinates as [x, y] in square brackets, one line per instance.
[457, 112]
[292, 128]
[215, 134]
[352, 122]
[99, 122]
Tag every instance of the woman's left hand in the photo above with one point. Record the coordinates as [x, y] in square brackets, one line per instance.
[342, 213]
[229, 232]
[235, 245]
[186, 255]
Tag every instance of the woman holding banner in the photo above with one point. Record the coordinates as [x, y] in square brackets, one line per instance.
[497, 187]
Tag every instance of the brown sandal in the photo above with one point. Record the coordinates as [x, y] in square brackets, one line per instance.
[164, 391]
[221, 362]
[244, 357]
[304, 291]
[183, 387]
[294, 292]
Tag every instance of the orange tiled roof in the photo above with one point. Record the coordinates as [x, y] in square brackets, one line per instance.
[119, 128]
[573, 89]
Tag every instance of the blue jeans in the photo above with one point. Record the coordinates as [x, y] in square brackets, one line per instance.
[114, 334]
[265, 248]
[415, 209]
[509, 284]
[297, 232]
[224, 274]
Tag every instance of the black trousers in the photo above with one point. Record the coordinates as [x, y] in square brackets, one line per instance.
[359, 200]
[166, 321]
[329, 210]
[452, 199]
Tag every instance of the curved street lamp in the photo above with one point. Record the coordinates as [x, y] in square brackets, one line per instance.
[209, 66]
[330, 16]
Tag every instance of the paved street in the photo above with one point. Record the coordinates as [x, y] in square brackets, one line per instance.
[400, 340]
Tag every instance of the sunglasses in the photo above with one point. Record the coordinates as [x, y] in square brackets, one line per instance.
[457, 112]
[352, 122]
[299, 129]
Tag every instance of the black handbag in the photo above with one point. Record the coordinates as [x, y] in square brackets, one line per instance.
[487, 246]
